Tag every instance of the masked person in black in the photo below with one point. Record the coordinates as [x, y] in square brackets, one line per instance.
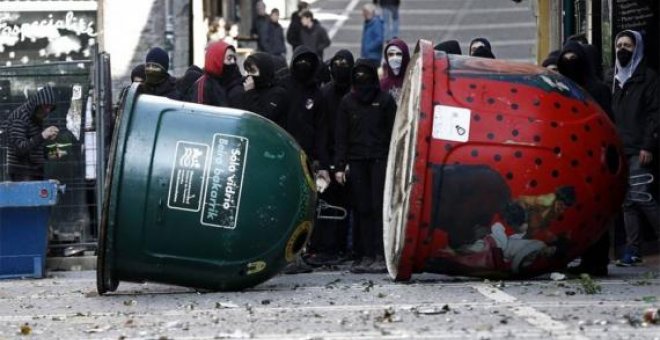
[261, 94]
[574, 63]
[328, 241]
[480, 47]
[636, 106]
[185, 83]
[222, 83]
[305, 117]
[158, 81]
[362, 139]
[449, 46]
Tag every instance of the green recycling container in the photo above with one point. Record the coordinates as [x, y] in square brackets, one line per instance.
[201, 196]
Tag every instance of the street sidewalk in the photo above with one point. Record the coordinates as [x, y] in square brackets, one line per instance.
[336, 305]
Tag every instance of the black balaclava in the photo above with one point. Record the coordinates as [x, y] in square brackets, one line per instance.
[483, 52]
[263, 64]
[341, 71]
[365, 81]
[449, 46]
[229, 74]
[576, 69]
[303, 69]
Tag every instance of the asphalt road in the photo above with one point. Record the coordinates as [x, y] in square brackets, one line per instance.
[510, 27]
[336, 305]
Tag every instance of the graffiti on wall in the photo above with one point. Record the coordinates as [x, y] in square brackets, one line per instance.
[31, 37]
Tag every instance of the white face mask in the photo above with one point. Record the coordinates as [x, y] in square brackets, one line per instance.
[395, 64]
[395, 59]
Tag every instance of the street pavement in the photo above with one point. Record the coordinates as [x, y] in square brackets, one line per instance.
[510, 26]
[336, 305]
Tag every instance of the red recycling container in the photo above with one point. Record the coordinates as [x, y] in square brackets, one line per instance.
[496, 169]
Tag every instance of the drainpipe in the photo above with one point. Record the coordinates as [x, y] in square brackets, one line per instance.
[169, 32]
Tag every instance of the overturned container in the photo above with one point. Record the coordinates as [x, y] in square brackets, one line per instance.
[201, 196]
[496, 169]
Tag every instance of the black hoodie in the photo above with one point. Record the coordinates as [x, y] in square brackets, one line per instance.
[186, 82]
[581, 72]
[305, 113]
[266, 99]
[332, 94]
[25, 153]
[364, 127]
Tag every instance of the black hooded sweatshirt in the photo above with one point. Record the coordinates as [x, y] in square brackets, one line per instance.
[332, 94]
[581, 72]
[185, 83]
[364, 123]
[305, 114]
[25, 153]
[266, 99]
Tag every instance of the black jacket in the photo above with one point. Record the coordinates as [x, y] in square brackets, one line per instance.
[266, 99]
[636, 109]
[25, 153]
[363, 129]
[293, 33]
[315, 38]
[305, 114]
[165, 89]
[185, 83]
[332, 95]
[275, 40]
[260, 27]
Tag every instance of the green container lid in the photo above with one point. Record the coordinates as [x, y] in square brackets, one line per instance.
[201, 196]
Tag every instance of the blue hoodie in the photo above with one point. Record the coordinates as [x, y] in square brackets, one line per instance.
[372, 39]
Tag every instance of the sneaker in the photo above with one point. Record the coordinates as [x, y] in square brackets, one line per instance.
[361, 266]
[629, 260]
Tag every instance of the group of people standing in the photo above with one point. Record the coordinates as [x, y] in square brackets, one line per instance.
[632, 101]
[342, 123]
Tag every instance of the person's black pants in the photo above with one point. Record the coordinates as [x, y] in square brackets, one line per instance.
[366, 180]
[330, 235]
[638, 204]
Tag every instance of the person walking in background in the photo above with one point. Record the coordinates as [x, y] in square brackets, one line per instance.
[221, 83]
[574, 63]
[397, 57]
[313, 35]
[261, 95]
[390, 10]
[26, 136]
[158, 81]
[372, 34]
[328, 242]
[260, 27]
[293, 33]
[636, 107]
[275, 40]
[362, 139]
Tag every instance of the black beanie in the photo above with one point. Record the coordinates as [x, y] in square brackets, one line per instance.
[138, 71]
[159, 56]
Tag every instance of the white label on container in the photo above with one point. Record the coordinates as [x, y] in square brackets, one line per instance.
[224, 182]
[187, 177]
[451, 123]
